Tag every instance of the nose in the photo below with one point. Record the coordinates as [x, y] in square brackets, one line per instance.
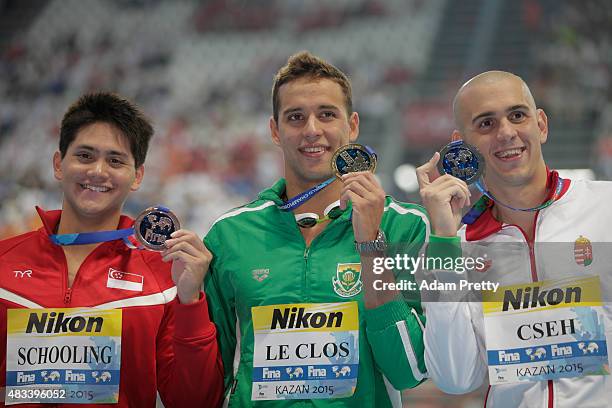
[506, 130]
[312, 129]
[98, 169]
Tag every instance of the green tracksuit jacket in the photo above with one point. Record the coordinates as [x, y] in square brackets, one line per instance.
[260, 259]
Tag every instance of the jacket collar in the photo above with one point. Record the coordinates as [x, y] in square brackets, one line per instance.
[487, 225]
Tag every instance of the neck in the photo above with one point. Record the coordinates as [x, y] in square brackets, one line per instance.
[320, 200]
[71, 223]
[530, 195]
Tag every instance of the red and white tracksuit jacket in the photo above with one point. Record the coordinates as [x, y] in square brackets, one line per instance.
[455, 348]
[165, 346]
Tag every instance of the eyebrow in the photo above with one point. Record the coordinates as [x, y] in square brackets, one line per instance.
[491, 113]
[332, 107]
[320, 107]
[110, 152]
[291, 110]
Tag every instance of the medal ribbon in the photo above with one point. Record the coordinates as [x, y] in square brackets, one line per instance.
[301, 198]
[84, 238]
[481, 205]
[370, 150]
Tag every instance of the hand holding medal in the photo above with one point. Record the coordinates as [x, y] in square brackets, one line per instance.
[354, 164]
[350, 162]
[158, 229]
[445, 196]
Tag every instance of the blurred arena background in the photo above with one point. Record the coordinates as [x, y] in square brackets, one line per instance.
[202, 70]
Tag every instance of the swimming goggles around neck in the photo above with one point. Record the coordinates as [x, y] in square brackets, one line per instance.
[309, 220]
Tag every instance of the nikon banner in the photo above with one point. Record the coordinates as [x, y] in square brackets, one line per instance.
[63, 356]
[545, 330]
[305, 351]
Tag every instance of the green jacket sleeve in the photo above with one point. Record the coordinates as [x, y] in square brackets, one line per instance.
[221, 305]
[395, 329]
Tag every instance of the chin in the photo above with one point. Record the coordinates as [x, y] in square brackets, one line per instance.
[94, 209]
[318, 177]
[517, 179]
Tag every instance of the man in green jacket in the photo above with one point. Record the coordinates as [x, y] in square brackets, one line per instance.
[300, 322]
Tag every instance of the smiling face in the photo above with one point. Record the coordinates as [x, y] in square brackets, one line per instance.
[496, 113]
[97, 173]
[312, 124]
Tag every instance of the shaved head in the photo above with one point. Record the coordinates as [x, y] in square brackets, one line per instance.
[480, 82]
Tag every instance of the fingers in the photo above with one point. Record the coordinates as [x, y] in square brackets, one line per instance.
[185, 241]
[183, 235]
[448, 180]
[458, 195]
[361, 186]
[362, 181]
[347, 196]
[185, 247]
[186, 258]
[428, 172]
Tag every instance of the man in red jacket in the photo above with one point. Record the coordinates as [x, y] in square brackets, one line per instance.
[100, 322]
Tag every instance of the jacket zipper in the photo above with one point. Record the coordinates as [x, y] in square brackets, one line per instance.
[68, 295]
[68, 289]
[534, 278]
[306, 257]
[305, 275]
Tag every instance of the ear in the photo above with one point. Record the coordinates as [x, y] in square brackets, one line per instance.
[542, 125]
[456, 136]
[274, 131]
[354, 125]
[138, 178]
[57, 166]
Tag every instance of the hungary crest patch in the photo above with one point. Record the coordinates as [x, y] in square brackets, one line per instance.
[583, 251]
[347, 281]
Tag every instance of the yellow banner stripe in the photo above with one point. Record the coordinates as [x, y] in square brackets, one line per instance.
[297, 317]
[572, 292]
[64, 322]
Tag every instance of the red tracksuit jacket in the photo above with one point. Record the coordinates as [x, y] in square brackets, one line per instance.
[165, 346]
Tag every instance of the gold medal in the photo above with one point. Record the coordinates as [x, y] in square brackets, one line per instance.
[353, 157]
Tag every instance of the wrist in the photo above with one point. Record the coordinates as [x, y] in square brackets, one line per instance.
[188, 298]
[372, 247]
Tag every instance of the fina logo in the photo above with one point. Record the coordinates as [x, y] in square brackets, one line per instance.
[539, 353]
[344, 371]
[104, 377]
[52, 376]
[297, 373]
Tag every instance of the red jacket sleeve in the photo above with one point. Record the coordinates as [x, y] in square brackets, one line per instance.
[189, 366]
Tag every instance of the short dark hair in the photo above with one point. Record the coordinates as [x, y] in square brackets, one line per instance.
[306, 65]
[112, 109]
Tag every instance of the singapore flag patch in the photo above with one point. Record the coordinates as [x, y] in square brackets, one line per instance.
[124, 280]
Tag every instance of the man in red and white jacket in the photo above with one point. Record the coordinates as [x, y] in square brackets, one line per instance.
[496, 112]
[167, 341]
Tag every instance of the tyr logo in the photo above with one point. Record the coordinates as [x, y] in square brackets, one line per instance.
[21, 274]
